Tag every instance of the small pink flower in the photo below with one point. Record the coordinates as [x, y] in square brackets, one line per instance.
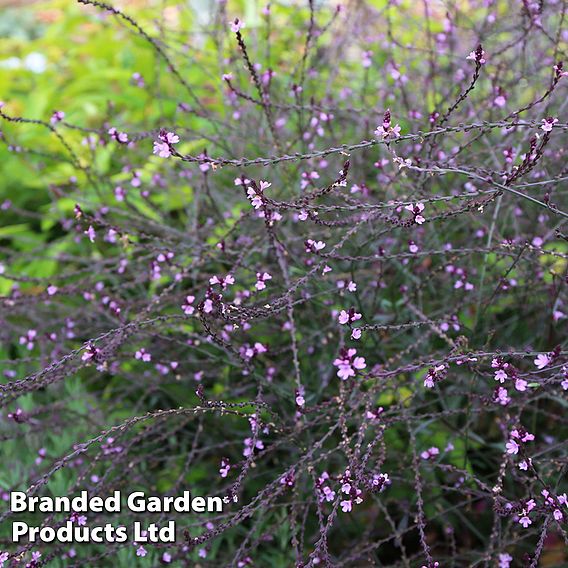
[430, 453]
[254, 197]
[512, 447]
[359, 363]
[57, 116]
[314, 246]
[502, 396]
[143, 355]
[261, 278]
[237, 25]
[501, 376]
[161, 149]
[90, 232]
[187, 307]
[162, 146]
[416, 209]
[225, 467]
[548, 123]
[478, 56]
[542, 360]
[171, 138]
[345, 371]
[120, 137]
[348, 316]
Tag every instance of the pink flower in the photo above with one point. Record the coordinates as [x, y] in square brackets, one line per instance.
[162, 149]
[254, 197]
[344, 371]
[430, 453]
[356, 334]
[314, 246]
[525, 521]
[187, 308]
[542, 360]
[521, 385]
[225, 467]
[143, 355]
[57, 116]
[366, 60]
[171, 138]
[416, 209]
[478, 56]
[90, 353]
[228, 280]
[346, 506]
[385, 130]
[348, 316]
[359, 363]
[261, 278]
[512, 447]
[347, 364]
[90, 232]
[501, 376]
[237, 25]
[141, 551]
[502, 396]
[548, 123]
[120, 137]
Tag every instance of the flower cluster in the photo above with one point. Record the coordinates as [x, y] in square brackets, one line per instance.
[348, 363]
[478, 56]
[416, 210]
[386, 130]
[351, 493]
[163, 146]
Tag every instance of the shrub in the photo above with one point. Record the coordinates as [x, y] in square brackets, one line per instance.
[312, 262]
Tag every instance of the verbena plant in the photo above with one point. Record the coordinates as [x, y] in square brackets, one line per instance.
[311, 259]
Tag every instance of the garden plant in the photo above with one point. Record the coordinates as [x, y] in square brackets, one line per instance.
[309, 258]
